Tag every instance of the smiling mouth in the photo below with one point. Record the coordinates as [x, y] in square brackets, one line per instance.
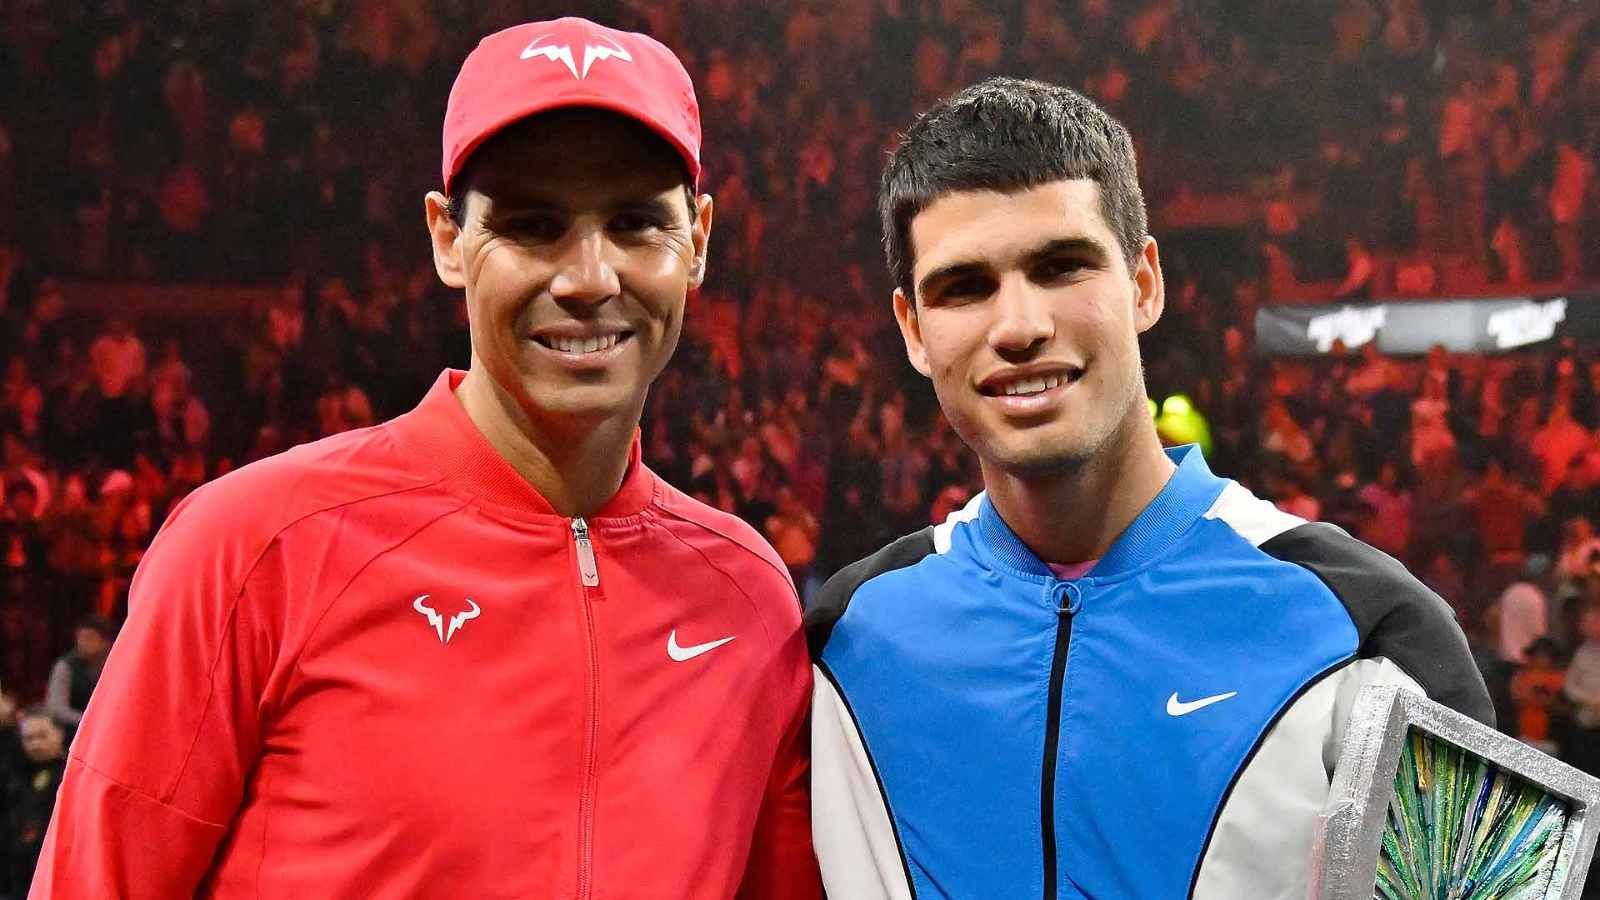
[581, 346]
[1029, 386]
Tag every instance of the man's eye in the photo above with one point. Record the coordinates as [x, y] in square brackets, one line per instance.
[1052, 269]
[544, 228]
[966, 287]
[635, 222]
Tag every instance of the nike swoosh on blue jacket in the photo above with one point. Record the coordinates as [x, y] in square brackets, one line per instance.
[982, 729]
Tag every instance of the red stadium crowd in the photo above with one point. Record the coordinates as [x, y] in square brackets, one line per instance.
[1365, 147]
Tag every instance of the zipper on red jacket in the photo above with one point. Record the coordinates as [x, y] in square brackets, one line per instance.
[588, 577]
[588, 572]
[1070, 602]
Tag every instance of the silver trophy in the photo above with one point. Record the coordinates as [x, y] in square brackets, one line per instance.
[1428, 804]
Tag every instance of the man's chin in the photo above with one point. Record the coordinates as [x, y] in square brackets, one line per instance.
[580, 403]
[1042, 458]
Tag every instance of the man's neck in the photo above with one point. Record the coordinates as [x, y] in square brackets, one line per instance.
[1075, 516]
[576, 470]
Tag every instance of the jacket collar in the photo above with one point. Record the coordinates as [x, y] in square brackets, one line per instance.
[1190, 491]
[441, 434]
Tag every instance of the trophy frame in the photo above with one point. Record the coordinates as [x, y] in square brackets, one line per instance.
[1351, 827]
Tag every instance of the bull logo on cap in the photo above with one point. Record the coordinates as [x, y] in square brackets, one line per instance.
[562, 53]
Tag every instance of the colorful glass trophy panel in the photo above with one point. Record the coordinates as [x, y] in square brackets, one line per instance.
[1427, 804]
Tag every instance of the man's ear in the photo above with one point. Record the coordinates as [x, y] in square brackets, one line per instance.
[905, 314]
[701, 231]
[1150, 297]
[446, 238]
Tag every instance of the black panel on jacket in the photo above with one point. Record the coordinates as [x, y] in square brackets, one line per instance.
[831, 600]
[1396, 616]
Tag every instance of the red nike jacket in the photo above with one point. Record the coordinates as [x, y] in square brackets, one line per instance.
[382, 666]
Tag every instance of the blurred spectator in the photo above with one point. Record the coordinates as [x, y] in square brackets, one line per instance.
[1536, 689]
[21, 536]
[1433, 444]
[1571, 595]
[903, 472]
[793, 533]
[851, 526]
[1582, 688]
[1443, 575]
[1294, 500]
[1387, 524]
[172, 376]
[1416, 275]
[1558, 444]
[1569, 199]
[1283, 435]
[10, 743]
[1374, 373]
[118, 358]
[73, 679]
[27, 797]
[1502, 508]
[1579, 546]
[44, 329]
[1361, 272]
[1524, 610]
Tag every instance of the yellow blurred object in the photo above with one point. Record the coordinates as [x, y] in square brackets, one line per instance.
[1178, 422]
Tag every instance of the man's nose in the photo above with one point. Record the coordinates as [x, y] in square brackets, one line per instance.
[1021, 317]
[586, 274]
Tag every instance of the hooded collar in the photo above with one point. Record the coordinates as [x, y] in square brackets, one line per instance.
[441, 433]
[1190, 491]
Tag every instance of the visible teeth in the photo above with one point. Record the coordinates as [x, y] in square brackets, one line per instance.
[584, 345]
[1033, 385]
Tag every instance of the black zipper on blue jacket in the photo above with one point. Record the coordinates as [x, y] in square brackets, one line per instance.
[1069, 603]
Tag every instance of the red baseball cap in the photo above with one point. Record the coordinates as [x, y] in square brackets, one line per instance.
[540, 66]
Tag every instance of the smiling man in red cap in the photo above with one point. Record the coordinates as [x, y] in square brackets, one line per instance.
[480, 650]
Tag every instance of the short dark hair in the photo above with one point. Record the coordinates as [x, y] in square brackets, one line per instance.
[457, 201]
[1009, 134]
[98, 623]
[1543, 645]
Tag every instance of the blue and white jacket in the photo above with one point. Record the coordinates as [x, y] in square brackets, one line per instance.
[1163, 727]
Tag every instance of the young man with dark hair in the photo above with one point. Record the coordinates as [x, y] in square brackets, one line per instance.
[480, 650]
[1113, 674]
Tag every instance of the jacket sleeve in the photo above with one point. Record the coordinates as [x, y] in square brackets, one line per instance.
[58, 695]
[782, 864]
[158, 767]
[1397, 617]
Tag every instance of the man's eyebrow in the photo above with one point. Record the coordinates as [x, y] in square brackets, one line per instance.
[517, 200]
[659, 204]
[1081, 245]
[950, 272]
[520, 197]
